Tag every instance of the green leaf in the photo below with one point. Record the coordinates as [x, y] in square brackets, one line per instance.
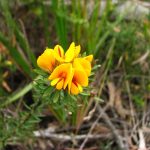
[48, 91]
[40, 72]
[55, 96]
[85, 94]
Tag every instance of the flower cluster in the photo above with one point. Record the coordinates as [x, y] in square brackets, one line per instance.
[67, 70]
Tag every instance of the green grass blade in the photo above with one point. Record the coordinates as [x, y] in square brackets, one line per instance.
[45, 18]
[25, 46]
[14, 30]
[60, 21]
[16, 56]
[15, 96]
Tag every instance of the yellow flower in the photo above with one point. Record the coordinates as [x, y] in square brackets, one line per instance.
[79, 79]
[70, 54]
[61, 76]
[47, 60]
[66, 69]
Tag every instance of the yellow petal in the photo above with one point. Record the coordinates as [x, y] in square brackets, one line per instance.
[89, 58]
[86, 65]
[77, 64]
[69, 55]
[77, 50]
[70, 81]
[80, 88]
[46, 61]
[82, 64]
[55, 81]
[69, 76]
[59, 50]
[60, 85]
[59, 53]
[74, 89]
[58, 71]
[81, 77]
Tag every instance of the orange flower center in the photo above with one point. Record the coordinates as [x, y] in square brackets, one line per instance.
[74, 81]
[62, 75]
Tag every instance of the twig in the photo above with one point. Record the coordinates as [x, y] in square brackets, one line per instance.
[142, 145]
[119, 139]
[91, 129]
[64, 137]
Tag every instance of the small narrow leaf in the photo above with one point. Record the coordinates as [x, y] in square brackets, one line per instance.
[55, 96]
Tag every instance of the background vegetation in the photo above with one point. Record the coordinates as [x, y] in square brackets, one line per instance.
[121, 85]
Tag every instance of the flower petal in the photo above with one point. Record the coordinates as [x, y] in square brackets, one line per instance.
[80, 88]
[59, 53]
[60, 84]
[74, 89]
[55, 81]
[46, 61]
[89, 58]
[69, 71]
[70, 81]
[77, 51]
[69, 55]
[57, 71]
[80, 77]
[82, 64]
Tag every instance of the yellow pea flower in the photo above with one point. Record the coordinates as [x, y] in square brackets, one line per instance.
[61, 76]
[46, 61]
[72, 52]
[83, 64]
[79, 79]
[66, 69]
